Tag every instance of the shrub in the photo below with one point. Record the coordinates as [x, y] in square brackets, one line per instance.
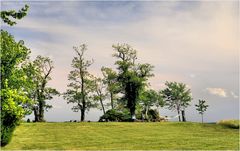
[115, 115]
[230, 123]
[6, 134]
[153, 115]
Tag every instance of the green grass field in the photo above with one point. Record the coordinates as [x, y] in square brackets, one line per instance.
[123, 136]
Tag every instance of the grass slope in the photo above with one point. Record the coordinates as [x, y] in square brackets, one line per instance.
[127, 136]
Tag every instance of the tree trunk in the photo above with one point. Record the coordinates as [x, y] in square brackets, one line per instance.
[179, 118]
[82, 115]
[202, 118]
[102, 106]
[41, 99]
[41, 111]
[111, 97]
[183, 116]
[132, 112]
[83, 97]
[146, 113]
[36, 118]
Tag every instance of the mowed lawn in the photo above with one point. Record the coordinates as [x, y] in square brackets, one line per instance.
[123, 136]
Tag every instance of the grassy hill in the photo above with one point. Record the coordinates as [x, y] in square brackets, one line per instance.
[127, 136]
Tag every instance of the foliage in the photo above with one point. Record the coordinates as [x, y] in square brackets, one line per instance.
[5, 15]
[132, 77]
[12, 111]
[201, 107]
[81, 85]
[12, 106]
[115, 115]
[177, 97]
[123, 136]
[12, 55]
[230, 123]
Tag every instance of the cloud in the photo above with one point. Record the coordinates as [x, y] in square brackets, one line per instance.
[234, 95]
[192, 75]
[217, 91]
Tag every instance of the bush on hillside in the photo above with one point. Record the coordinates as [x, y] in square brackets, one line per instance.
[115, 115]
[153, 115]
[230, 123]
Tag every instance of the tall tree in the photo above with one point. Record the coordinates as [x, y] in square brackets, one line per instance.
[177, 97]
[38, 73]
[201, 107]
[133, 77]
[80, 87]
[113, 86]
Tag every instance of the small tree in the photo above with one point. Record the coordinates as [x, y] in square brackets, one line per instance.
[177, 97]
[201, 107]
[99, 94]
[113, 86]
[148, 99]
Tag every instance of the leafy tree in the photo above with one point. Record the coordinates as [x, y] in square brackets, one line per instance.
[81, 85]
[13, 79]
[132, 76]
[38, 73]
[99, 94]
[113, 86]
[5, 15]
[201, 107]
[177, 97]
[13, 98]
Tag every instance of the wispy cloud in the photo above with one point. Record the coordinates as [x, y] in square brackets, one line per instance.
[234, 95]
[217, 91]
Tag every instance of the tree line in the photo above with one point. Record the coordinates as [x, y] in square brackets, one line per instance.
[123, 94]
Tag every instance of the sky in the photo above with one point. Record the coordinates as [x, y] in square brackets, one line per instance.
[193, 42]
